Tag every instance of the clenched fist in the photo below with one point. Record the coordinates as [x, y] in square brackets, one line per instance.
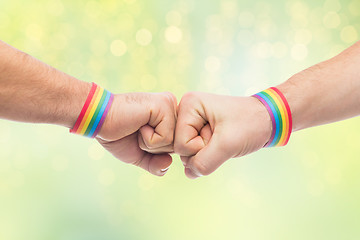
[139, 130]
[212, 129]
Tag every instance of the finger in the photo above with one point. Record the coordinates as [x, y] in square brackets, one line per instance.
[157, 164]
[208, 159]
[172, 99]
[128, 151]
[159, 132]
[190, 123]
[190, 174]
[206, 133]
[158, 137]
[165, 149]
[187, 170]
[184, 160]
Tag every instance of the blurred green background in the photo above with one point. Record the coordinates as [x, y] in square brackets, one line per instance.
[57, 186]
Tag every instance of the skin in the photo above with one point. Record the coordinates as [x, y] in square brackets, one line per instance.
[212, 129]
[138, 130]
[209, 129]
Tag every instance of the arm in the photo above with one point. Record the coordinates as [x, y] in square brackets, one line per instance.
[31, 91]
[212, 129]
[327, 92]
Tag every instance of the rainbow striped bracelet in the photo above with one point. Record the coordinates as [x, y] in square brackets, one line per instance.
[93, 113]
[280, 114]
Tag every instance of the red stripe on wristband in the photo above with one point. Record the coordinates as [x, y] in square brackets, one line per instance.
[85, 107]
[288, 111]
[280, 113]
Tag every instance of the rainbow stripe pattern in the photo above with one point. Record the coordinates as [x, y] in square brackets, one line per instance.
[280, 113]
[94, 112]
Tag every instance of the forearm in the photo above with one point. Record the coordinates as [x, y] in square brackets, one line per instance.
[31, 91]
[327, 92]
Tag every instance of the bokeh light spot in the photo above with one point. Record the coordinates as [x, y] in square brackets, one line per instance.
[331, 20]
[173, 34]
[354, 7]
[34, 31]
[303, 36]
[279, 50]
[332, 5]
[349, 34]
[55, 7]
[263, 50]
[245, 38]
[229, 8]
[173, 18]
[143, 37]
[246, 19]
[299, 52]
[118, 48]
[96, 151]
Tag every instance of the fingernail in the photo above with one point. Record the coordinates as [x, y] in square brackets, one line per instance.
[191, 174]
[165, 169]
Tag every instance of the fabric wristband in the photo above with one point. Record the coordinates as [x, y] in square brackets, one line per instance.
[280, 114]
[94, 112]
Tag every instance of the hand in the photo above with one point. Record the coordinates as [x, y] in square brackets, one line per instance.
[212, 129]
[139, 130]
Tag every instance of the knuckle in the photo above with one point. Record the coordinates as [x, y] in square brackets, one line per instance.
[186, 147]
[164, 97]
[179, 147]
[189, 96]
[168, 139]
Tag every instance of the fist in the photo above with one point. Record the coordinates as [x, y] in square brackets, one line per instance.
[212, 129]
[139, 130]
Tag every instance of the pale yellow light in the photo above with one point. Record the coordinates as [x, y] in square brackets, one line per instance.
[331, 20]
[143, 37]
[173, 34]
[349, 34]
[118, 48]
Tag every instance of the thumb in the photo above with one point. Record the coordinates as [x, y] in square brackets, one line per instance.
[209, 158]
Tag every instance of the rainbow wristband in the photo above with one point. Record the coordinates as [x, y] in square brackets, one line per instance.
[93, 113]
[280, 114]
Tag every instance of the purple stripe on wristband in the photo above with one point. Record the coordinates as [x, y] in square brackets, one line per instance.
[104, 116]
[271, 116]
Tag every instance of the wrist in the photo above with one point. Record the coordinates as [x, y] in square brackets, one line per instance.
[279, 111]
[129, 112]
[93, 112]
[299, 101]
[71, 100]
[265, 127]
